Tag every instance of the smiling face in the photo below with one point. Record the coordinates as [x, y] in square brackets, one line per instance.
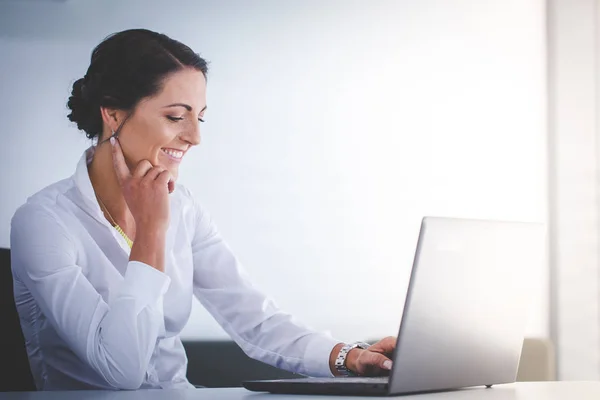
[165, 126]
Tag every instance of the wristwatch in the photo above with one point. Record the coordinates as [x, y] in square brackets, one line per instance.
[340, 361]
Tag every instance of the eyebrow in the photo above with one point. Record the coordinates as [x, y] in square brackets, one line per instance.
[186, 106]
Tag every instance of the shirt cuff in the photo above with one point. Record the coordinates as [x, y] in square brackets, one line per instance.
[145, 283]
[316, 356]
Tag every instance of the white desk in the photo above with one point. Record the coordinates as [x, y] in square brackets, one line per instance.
[518, 391]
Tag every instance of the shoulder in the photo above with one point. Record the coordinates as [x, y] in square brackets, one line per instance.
[182, 193]
[43, 202]
[194, 212]
[187, 200]
[39, 234]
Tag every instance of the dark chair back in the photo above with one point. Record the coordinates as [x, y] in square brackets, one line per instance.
[214, 363]
[16, 375]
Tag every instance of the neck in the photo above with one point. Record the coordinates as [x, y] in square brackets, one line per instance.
[107, 187]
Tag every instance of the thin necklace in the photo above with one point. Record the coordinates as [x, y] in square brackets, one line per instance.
[117, 227]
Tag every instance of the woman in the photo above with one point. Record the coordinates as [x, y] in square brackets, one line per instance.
[106, 262]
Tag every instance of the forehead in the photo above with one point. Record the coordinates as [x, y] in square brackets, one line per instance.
[186, 86]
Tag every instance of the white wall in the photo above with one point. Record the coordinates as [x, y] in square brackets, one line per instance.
[574, 108]
[333, 127]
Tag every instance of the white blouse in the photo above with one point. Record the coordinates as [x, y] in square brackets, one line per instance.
[94, 320]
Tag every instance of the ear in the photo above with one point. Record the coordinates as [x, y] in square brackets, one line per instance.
[112, 118]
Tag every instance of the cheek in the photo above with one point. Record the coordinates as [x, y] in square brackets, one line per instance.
[160, 133]
[144, 140]
[150, 138]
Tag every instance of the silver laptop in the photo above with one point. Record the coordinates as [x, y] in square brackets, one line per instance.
[465, 314]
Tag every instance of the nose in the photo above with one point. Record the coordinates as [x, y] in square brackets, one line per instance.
[192, 135]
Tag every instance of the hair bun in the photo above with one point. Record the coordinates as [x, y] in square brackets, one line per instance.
[83, 111]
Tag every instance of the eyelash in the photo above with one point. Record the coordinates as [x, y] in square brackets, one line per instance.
[177, 119]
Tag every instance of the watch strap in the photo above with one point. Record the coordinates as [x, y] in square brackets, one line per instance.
[340, 361]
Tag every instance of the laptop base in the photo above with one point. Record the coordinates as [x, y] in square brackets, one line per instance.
[360, 386]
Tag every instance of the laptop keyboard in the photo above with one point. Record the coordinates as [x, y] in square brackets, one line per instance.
[360, 379]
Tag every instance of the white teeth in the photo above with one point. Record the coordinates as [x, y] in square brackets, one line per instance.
[173, 153]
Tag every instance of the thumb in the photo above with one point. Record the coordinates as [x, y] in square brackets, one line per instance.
[373, 363]
[380, 361]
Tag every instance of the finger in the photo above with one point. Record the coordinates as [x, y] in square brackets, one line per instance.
[121, 169]
[142, 168]
[164, 178]
[386, 345]
[153, 173]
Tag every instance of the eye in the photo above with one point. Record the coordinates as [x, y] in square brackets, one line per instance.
[200, 119]
[174, 119]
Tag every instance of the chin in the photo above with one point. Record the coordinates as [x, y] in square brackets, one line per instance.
[173, 171]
